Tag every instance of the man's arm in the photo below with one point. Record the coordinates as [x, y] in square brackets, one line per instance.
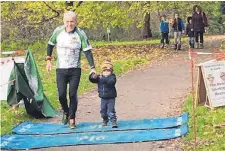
[86, 48]
[51, 43]
[49, 50]
[49, 57]
[90, 58]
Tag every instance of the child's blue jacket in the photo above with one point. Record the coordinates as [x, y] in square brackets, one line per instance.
[164, 27]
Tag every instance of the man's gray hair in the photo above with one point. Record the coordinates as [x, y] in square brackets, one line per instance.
[70, 13]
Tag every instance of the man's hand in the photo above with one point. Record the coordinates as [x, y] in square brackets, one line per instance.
[93, 71]
[15, 106]
[49, 66]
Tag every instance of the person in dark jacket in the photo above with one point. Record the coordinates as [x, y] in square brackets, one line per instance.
[199, 25]
[190, 33]
[107, 92]
[178, 27]
[164, 29]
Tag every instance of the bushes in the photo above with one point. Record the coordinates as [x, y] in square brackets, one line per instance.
[12, 45]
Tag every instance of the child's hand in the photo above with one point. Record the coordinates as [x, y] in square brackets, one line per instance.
[100, 76]
[94, 76]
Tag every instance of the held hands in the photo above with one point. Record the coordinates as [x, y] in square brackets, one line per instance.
[49, 66]
[93, 71]
[94, 75]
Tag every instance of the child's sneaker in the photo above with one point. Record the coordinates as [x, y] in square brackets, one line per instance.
[105, 122]
[114, 124]
[65, 118]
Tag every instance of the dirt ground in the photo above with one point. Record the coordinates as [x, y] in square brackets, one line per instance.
[158, 90]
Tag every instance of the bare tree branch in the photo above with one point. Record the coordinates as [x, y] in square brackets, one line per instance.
[79, 3]
[57, 13]
[44, 19]
[71, 4]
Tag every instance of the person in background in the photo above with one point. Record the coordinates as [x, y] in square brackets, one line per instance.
[199, 25]
[190, 33]
[164, 29]
[107, 92]
[70, 41]
[178, 27]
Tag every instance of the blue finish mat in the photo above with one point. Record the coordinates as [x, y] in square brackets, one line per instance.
[43, 141]
[53, 128]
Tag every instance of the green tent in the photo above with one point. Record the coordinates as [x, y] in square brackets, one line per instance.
[28, 88]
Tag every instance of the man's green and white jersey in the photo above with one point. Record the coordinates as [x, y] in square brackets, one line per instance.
[69, 46]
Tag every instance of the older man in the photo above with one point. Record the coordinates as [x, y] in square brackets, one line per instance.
[70, 41]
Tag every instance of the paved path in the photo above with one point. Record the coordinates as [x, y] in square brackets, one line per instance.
[158, 90]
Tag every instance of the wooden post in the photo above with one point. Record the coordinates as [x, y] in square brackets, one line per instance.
[193, 97]
[193, 101]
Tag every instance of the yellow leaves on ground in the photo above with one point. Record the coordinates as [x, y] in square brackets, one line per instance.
[143, 53]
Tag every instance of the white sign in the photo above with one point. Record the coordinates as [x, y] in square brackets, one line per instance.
[214, 79]
[6, 66]
[108, 30]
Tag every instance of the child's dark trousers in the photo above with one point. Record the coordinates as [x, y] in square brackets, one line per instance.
[108, 109]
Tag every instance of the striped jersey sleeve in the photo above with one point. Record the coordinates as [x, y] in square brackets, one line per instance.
[85, 44]
[52, 40]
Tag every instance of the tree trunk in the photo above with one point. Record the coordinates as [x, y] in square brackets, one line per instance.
[147, 33]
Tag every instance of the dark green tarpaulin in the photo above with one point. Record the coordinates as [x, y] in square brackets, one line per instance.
[28, 87]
